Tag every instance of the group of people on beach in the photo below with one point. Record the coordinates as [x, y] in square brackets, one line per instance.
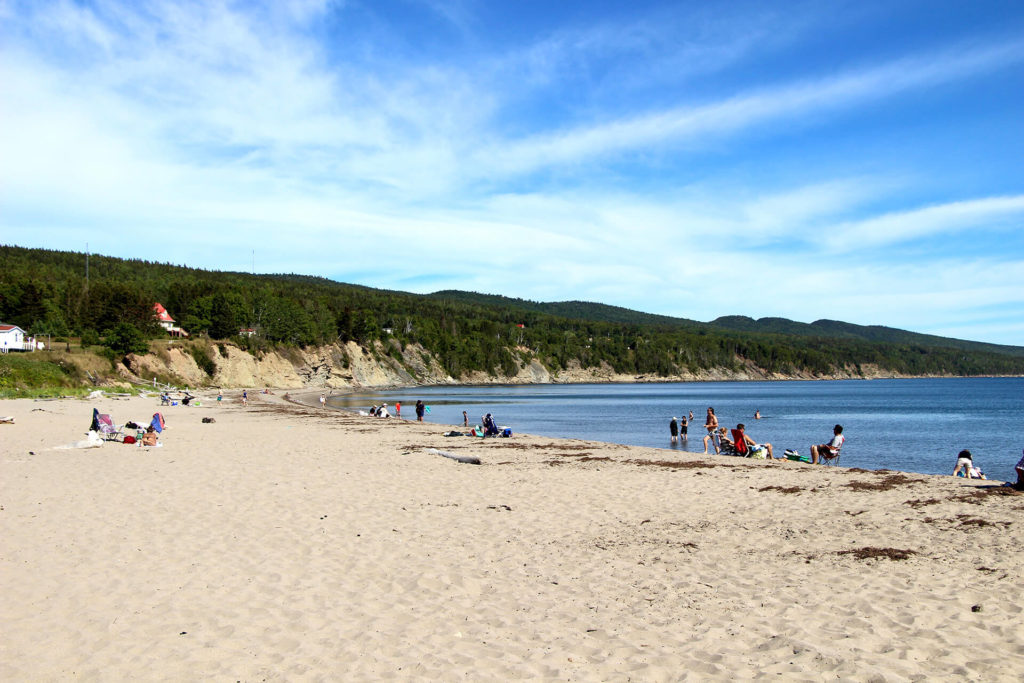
[382, 409]
[742, 443]
[965, 467]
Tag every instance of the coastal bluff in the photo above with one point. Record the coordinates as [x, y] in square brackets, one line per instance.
[387, 363]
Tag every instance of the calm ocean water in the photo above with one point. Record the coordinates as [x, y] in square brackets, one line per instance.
[915, 425]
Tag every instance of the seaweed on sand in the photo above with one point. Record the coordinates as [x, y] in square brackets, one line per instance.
[887, 483]
[782, 489]
[677, 464]
[869, 553]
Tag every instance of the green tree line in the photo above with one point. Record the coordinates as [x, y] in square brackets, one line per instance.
[47, 293]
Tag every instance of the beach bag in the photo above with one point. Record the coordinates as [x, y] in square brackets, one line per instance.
[506, 432]
[795, 456]
[758, 453]
[129, 439]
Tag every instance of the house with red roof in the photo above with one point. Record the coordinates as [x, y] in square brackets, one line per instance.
[167, 322]
[13, 338]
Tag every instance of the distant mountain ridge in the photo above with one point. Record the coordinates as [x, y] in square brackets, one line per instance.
[829, 329]
[839, 330]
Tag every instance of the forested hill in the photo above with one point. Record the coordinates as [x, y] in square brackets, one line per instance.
[579, 310]
[47, 293]
[583, 310]
[840, 330]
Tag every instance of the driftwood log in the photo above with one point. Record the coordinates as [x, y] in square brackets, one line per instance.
[467, 459]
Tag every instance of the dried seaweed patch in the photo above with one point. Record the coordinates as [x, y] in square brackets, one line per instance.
[782, 489]
[921, 502]
[676, 464]
[886, 484]
[967, 520]
[883, 553]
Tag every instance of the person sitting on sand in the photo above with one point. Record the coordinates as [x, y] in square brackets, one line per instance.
[490, 429]
[150, 437]
[829, 450]
[753, 445]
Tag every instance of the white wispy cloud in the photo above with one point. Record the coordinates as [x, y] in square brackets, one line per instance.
[691, 124]
[986, 214]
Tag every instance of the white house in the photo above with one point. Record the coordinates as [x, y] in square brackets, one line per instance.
[13, 338]
[167, 322]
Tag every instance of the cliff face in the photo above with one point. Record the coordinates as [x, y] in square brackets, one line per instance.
[350, 366]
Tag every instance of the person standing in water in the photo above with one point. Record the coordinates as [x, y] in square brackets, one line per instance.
[673, 430]
[684, 426]
[420, 410]
[465, 419]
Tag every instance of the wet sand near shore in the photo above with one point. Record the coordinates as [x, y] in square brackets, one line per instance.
[283, 541]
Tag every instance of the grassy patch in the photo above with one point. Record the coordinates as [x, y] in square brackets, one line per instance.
[34, 375]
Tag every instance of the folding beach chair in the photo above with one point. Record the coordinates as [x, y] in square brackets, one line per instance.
[105, 427]
[828, 457]
[739, 446]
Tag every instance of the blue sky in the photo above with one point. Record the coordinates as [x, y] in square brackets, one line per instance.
[858, 161]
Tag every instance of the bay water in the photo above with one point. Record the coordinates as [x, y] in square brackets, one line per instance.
[913, 425]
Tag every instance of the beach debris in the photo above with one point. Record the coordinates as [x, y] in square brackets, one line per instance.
[499, 507]
[94, 441]
[7, 420]
[208, 420]
[975, 608]
[466, 459]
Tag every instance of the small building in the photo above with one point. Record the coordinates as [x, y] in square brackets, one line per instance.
[13, 338]
[167, 322]
[246, 332]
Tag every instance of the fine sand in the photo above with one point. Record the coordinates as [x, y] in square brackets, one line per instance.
[285, 542]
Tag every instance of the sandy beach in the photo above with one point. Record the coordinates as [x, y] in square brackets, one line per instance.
[289, 542]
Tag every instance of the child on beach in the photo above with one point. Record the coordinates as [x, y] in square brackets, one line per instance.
[964, 463]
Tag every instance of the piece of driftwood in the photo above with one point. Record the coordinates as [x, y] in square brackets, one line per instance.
[7, 420]
[467, 459]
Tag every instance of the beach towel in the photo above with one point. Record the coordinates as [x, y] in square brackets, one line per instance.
[157, 423]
